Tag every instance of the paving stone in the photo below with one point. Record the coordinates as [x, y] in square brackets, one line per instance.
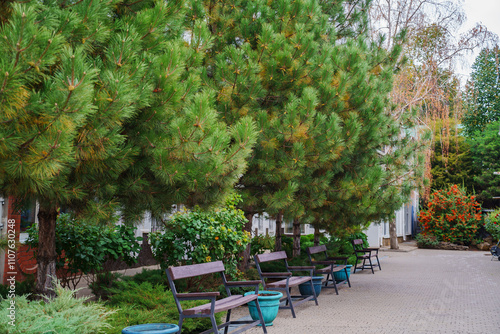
[422, 291]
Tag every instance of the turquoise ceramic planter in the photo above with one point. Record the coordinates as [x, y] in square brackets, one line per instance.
[340, 275]
[305, 288]
[269, 304]
[151, 329]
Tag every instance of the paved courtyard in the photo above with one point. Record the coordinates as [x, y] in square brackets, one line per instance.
[421, 291]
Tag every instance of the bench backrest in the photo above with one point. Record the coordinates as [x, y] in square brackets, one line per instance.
[194, 270]
[358, 245]
[316, 249]
[271, 256]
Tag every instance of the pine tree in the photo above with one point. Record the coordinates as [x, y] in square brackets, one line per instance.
[103, 110]
[482, 99]
[485, 151]
[454, 167]
[305, 71]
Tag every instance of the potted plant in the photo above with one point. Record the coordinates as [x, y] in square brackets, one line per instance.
[269, 302]
[340, 275]
[305, 288]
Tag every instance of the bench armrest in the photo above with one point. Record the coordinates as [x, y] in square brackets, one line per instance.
[372, 249]
[277, 275]
[243, 283]
[337, 258]
[199, 295]
[324, 263]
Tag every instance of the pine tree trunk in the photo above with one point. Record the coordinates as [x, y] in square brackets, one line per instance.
[277, 239]
[393, 234]
[46, 253]
[316, 236]
[245, 255]
[296, 237]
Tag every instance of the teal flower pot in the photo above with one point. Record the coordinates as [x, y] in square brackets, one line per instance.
[340, 275]
[151, 329]
[269, 302]
[305, 288]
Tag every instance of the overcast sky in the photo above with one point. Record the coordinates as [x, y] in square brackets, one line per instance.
[486, 12]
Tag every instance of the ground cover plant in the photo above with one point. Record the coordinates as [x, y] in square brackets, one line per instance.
[452, 216]
[65, 314]
[134, 304]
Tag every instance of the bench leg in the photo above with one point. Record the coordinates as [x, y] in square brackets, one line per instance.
[214, 324]
[356, 265]
[335, 284]
[347, 276]
[261, 317]
[379, 268]
[289, 301]
[371, 264]
[228, 317]
[181, 319]
[314, 291]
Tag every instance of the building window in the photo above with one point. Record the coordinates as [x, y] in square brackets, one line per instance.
[28, 216]
[289, 228]
[260, 221]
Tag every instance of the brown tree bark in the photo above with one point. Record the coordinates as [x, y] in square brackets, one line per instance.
[316, 236]
[245, 255]
[46, 252]
[393, 235]
[277, 238]
[296, 237]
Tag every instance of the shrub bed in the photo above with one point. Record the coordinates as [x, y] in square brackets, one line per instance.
[452, 216]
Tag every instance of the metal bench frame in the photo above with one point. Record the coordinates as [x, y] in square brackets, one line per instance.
[364, 254]
[214, 306]
[495, 251]
[285, 280]
[330, 264]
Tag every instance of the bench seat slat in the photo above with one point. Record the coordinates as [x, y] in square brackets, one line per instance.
[222, 304]
[294, 281]
[198, 294]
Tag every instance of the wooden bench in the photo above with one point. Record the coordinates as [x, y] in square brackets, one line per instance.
[318, 256]
[364, 254]
[284, 281]
[214, 306]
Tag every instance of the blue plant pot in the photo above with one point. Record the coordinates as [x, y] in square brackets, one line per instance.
[269, 302]
[151, 329]
[340, 275]
[305, 288]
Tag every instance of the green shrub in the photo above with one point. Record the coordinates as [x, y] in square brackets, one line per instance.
[103, 282]
[87, 247]
[492, 224]
[425, 241]
[63, 315]
[153, 276]
[146, 303]
[260, 243]
[25, 287]
[199, 236]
